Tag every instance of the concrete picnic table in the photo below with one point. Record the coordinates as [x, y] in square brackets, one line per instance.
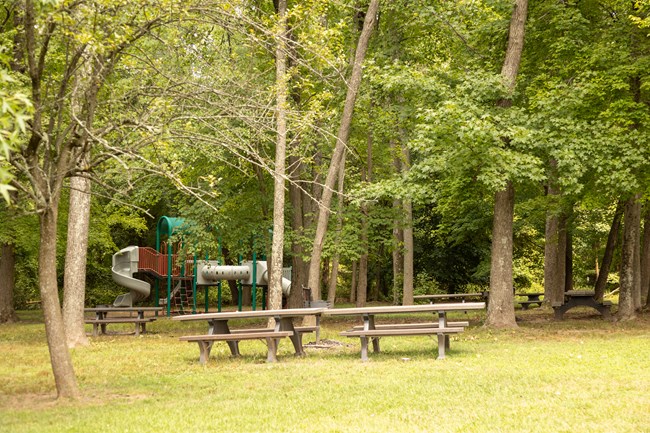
[442, 328]
[218, 330]
[531, 298]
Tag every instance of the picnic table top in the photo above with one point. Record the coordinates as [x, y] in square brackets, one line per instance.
[396, 309]
[529, 294]
[127, 309]
[289, 312]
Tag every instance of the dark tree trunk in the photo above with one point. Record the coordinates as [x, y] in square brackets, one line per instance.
[501, 312]
[645, 257]
[7, 283]
[568, 278]
[610, 247]
[353, 282]
[626, 299]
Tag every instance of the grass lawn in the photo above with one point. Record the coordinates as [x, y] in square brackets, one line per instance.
[580, 375]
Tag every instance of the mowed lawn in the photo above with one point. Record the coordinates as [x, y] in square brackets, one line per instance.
[580, 375]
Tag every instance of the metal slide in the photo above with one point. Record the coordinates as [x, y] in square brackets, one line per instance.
[125, 264]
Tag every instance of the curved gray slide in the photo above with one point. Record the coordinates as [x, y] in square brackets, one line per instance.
[125, 264]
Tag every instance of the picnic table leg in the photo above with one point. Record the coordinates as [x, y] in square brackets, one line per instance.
[221, 327]
[442, 344]
[204, 349]
[272, 344]
[375, 340]
[286, 324]
[364, 348]
[95, 329]
[137, 329]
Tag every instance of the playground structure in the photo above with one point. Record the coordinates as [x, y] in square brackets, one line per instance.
[183, 275]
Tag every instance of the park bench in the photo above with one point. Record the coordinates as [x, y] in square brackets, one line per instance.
[102, 319]
[581, 298]
[219, 330]
[140, 324]
[205, 341]
[369, 330]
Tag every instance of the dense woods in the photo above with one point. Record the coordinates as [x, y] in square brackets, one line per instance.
[380, 149]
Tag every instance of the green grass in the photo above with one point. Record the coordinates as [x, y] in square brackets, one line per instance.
[583, 374]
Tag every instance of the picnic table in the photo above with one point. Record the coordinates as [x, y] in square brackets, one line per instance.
[531, 299]
[581, 298]
[102, 319]
[462, 297]
[218, 330]
[371, 330]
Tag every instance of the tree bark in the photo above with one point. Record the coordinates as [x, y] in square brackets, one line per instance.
[341, 141]
[353, 282]
[331, 290]
[64, 375]
[407, 289]
[626, 299]
[501, 310]
[7, 283]
[612, 239]
[74, 291]
[645, 257]
[568, 276]
[277, 249]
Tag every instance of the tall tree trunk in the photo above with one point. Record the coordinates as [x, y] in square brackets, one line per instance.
[277, 254]
[637, 253]
[501, 310]
[74, 288]
[626, 299]
[645, 257]
[610, 247]
[64, 375]
[362, 272]
[353, 282]
[331, 290]
[568, 277]
[407, 289]
[341, 141]
[298, 265]
[398, 232]
[7, 283]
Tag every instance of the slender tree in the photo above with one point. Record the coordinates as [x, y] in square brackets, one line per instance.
[501, 306]
[341, 142]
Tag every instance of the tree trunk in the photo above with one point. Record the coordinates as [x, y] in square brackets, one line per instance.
[331, 290]
[626, 299]
[277, 254]
[501, 311]
[612, 239]
[552, 272]
[7, 283]
[362, 279]
[353, 282]
[341, 141]
[637, 253]
[407, 289]
[645, 257]
[398, 257]
[64, 375]
[74, 291]
[568, 277]
[298, 265]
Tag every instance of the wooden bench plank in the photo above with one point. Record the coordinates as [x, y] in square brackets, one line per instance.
[301, 329]
[396, 332]
[140, 324]
[205, 342]
[415, 325]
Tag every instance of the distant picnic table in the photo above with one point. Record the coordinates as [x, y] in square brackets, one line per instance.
[102, 319]
[219, 330]
[531, 299]
[581, 298]
[370, 330]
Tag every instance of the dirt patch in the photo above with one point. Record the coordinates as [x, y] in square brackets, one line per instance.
[33, 401]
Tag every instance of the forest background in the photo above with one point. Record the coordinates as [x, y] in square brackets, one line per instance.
[165, 107]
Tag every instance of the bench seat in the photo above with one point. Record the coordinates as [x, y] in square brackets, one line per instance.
[140, 323]
[205, 341]
[392, 331]
[426, 325]
[526, 304]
